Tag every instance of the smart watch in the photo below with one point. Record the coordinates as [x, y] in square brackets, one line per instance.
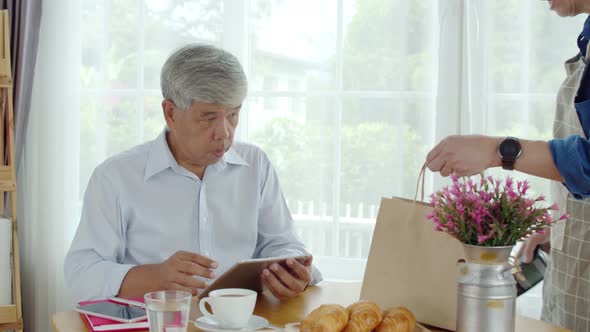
[509, 150]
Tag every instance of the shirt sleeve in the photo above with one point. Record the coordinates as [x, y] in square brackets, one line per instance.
[276, 236]
[571, 156]
[91, 269]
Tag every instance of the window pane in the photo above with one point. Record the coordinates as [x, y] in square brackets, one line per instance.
[299, 142]
[388, 45]
[92, 143]
[384, 143]
[153, 118]
[122, 121]
[172, 24]
[547, 71]
[110, 44]
[534, 119]
[294, 43]
[93, 44]
[519, 33]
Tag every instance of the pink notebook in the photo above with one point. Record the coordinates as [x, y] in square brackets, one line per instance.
[103, 324]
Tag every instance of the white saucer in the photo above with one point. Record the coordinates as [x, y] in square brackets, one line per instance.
[208, 324]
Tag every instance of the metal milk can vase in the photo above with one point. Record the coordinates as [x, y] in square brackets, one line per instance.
[486, 296]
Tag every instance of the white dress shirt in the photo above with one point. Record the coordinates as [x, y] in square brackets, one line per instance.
[141, 206]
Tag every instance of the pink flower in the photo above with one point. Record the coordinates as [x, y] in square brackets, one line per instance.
[511, 193]
[509, 182]
[525, 187]
[487, 212]
[436, 220]
[477, 216]
[482, 238]
[460, 208]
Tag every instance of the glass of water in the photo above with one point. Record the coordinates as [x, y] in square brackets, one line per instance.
[168, 310]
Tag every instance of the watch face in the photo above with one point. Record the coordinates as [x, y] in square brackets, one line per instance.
[510, 149]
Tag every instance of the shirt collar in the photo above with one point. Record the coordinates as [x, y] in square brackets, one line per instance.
[160, 157]
[233, 157]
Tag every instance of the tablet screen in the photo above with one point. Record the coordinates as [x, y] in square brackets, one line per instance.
[114, 310]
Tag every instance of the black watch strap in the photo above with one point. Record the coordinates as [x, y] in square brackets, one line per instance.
[508, 164]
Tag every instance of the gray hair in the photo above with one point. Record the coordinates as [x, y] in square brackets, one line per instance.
[203, 73]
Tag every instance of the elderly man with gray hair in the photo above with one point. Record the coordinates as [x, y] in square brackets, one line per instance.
[176, 212]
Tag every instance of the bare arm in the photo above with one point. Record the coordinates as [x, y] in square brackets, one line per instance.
[536, 160]
[468, 155]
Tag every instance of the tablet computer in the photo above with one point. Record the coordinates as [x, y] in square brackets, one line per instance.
[114, 311]
[246, 274]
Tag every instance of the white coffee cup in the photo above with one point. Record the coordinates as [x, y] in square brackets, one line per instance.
[232, 307]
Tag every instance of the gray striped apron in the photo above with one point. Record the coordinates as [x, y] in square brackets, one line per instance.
[566, 292]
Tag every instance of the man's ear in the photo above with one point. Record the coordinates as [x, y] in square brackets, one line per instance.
[170, 112]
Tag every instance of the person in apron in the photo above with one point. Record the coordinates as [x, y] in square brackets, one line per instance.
[566, 160]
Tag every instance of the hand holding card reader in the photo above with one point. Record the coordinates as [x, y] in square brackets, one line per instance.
[528, 275]
[114, 311]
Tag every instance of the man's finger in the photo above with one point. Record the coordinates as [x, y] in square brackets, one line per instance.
[198, 259]
[437, 164]
[275, 286]
[520, 250]
[434, 153]
[287, 279]
[188, 281]
[192, 268]
[177, 286]
[529, 251]
[446, 170]
[300, 270]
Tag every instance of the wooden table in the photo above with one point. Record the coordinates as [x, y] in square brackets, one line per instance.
[279, 313]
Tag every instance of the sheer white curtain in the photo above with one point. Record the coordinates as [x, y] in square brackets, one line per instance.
[48, 180]
[346, 97]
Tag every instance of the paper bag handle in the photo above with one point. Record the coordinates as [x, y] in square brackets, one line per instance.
[421, 177]
[407, 223]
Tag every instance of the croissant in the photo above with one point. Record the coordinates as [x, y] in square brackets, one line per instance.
[398, 319]
[326, 318]
[364, 317]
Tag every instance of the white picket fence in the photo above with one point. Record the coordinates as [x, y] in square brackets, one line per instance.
[343, 236]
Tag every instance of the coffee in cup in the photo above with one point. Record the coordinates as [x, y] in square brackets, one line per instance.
[232, 307]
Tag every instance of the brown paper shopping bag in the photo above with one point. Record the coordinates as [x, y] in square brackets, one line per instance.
[412, 265]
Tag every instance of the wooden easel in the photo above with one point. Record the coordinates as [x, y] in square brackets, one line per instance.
[11, 316]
